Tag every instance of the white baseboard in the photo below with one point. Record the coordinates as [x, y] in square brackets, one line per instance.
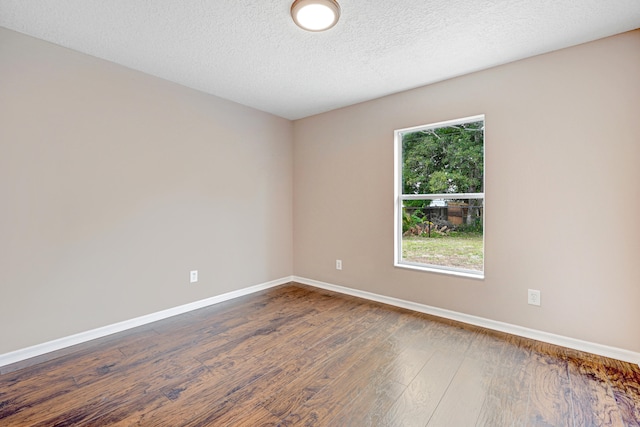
[58, 344]
[589, 347]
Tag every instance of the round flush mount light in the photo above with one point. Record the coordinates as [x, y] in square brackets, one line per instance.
[315, 15]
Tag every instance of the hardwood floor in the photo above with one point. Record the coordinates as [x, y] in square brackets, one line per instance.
[295, 355]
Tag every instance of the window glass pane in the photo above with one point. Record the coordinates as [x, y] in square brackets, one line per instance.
[443, 233]
[448, 159]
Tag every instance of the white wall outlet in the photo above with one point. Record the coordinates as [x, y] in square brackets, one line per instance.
[193, 276]
[533, 297]
[338, 264]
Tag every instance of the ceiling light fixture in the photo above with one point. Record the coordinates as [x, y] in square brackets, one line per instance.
[315, 15]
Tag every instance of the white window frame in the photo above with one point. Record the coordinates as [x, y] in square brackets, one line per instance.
[399, 197]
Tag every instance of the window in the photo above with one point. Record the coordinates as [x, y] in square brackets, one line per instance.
[439, 193]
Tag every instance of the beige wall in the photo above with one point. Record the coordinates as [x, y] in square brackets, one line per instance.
[114, 184]
[562, 192]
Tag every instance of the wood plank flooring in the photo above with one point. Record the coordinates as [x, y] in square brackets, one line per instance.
[299, 356]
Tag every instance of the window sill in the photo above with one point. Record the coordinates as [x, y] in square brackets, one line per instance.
[442, 270]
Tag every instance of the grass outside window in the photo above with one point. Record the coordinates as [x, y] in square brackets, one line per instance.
[462, 250]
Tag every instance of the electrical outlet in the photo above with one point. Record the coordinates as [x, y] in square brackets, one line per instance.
[533, 297]
[338, 264]
[193, 276]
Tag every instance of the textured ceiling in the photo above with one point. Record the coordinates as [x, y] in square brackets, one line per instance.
[251, 52]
